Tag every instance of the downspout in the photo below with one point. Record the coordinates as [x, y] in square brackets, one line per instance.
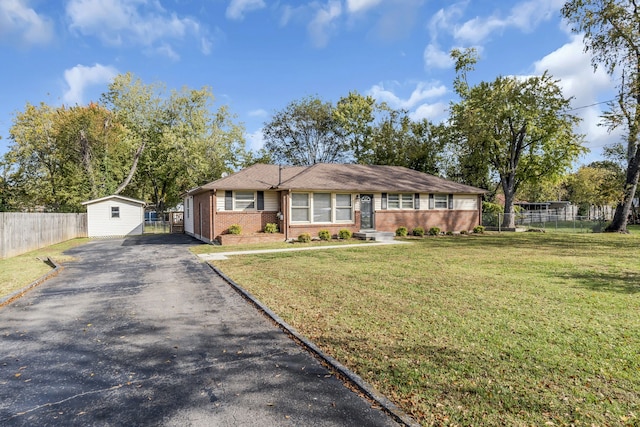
[212, 212]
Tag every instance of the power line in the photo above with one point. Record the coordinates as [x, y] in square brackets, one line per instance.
[590, 105]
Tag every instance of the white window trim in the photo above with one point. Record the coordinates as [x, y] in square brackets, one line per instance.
[400, 201]
[310, 208]
[235, 201]
[435, 201]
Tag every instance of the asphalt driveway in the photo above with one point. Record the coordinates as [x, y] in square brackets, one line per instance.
[138, 331]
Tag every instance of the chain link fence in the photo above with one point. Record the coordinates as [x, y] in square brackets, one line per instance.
[545, 221]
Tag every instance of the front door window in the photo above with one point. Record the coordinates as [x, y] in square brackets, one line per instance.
[366, 212]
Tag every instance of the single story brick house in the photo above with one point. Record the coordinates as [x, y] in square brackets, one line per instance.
[306, 199]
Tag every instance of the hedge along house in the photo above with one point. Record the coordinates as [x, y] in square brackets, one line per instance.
[306, 199]
[114, 216]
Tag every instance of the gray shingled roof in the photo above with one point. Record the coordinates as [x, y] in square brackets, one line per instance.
[337, 177]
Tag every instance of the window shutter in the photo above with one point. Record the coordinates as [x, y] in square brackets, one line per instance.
[416, 201]
[384, 201]
[260, 200]
[228, 200]
[450, 201]
[432, 202]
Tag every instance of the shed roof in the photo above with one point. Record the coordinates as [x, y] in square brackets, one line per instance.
[337, 177]
[115, 196]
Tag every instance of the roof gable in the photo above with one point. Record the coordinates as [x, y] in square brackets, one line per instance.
[115, 197]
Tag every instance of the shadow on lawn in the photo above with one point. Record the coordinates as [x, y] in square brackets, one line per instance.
[624, 283]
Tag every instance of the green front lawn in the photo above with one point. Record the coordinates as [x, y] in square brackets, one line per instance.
[19, 271]
[498, 329]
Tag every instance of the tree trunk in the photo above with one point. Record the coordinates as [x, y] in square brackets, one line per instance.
[620, 218]
[508, 187]
[132, 171]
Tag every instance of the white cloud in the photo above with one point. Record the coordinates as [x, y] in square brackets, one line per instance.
[422, 92]
[434, 57]
[80, 77]
[258, 113]
[255, 140]
[572, 67]
[237, 8]
[22, 25]
[322, 25]
[355, 6]
[138, 22]
[524, 16]
[433, 112]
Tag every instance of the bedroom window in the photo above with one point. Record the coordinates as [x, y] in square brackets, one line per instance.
[344, 210]
[441, 201]
[115, 211]
[400, 201]
[300, 207]
[321, 207]
[245, 200]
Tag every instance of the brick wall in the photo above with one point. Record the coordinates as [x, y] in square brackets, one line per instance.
[446, 220]
[250, 222]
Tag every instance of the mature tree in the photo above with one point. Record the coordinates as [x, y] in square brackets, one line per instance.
[520, 127]
[356, 115]
[179, 141]
[62, 156]
[612, 34]
[595, 186]
[305, 133]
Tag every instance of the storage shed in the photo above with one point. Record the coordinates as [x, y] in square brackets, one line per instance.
[114, 216]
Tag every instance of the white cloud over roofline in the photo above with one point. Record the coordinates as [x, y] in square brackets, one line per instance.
[135, 22]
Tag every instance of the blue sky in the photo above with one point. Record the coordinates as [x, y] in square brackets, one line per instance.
[259, 55]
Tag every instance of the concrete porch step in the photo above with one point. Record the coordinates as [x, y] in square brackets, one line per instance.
[378, 236]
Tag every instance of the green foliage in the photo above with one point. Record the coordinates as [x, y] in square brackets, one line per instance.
[519, 129]
[595, 186]
[305, 133]
[324, 235]
[478, 229]
[235, 229]
[271, 227]
[304, 238]
[402, 231]
[418, 231]
[449, 233]
[611, 30]
[463, 232]
[434, 231]
[344, 233]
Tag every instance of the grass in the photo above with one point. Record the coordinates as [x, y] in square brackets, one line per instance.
[500, 329]
[17, 272]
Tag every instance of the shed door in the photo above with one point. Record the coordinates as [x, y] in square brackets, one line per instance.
[366, 212]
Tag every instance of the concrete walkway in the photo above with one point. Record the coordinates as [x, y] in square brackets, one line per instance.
[224, 255]
[138, 331]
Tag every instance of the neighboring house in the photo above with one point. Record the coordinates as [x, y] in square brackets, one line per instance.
[114, 216]
[306, 199]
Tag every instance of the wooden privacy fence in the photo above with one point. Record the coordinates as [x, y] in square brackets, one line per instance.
[24, 232]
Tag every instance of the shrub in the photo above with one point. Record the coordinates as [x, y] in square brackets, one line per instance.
[478, 229]
[402, 231]
[344, 233]
[235, 229]
[434, 231]
[418, 231]
[271, 227]
[449, 233]
[324, 235]
[304, 238]
[464, 232]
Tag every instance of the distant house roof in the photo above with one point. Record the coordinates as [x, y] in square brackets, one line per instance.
[115, 196]
[337, 177]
